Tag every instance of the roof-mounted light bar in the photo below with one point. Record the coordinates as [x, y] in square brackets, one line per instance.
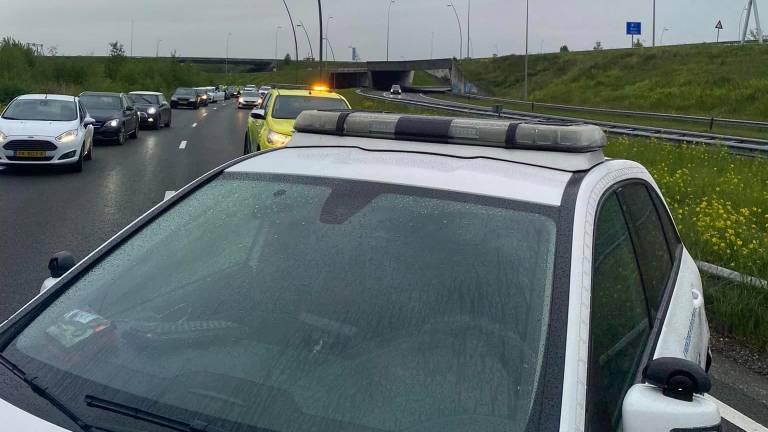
[573, 138]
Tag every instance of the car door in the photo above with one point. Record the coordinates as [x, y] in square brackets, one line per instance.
[257, 125]
[637, 254]
[619, 321]
[87, 131]
[128, 117]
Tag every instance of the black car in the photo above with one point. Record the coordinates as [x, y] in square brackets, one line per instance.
[233, 91]
[189, 97]
[115, 116]
[153, 109]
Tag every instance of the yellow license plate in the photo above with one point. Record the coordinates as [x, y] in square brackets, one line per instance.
[28, 153]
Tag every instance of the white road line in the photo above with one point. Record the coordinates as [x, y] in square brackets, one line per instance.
[205, 114]
[737, 418]
[194, 124]
[183, 145]
[215, 108]
[168, 194]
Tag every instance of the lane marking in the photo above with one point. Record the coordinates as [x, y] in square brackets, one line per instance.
[183, 145]
[168, 194]
[205, 113]
[737, 418]
[194, 124]
[214, 108]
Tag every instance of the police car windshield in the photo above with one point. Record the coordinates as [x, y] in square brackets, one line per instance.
[41, 109]
[289, 107]
[328, 304]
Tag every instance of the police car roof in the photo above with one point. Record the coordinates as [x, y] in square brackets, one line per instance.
[366, 147]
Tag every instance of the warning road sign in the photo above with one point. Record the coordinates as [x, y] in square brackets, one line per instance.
[719, 25]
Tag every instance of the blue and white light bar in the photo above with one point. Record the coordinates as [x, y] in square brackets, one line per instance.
[574, 138]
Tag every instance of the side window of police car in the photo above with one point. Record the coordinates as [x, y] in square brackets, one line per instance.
[651, 241]
[265, 103]
[619, 322]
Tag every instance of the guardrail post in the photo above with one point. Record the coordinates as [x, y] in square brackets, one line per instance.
[711, 123]
[533, 106]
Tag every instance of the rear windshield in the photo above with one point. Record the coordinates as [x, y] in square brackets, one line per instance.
[289, 107]
[184, 92]
[41, 109]
[96, 102]
[278, 303]
[140, 99]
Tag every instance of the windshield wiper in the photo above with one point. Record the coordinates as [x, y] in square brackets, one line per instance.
[43, 393]
[146, 416]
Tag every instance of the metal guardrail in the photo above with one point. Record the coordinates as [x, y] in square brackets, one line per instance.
[666, 116]
[747, 146]
[732, 275]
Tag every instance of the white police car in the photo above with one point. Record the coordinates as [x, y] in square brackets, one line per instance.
[380, 273]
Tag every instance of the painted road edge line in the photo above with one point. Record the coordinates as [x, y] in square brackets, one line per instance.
[194, 124]
[183, 145]
[737, 418]
[168, 194]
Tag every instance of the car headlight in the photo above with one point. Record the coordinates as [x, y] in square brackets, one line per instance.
[151, 110]
[112, 123]
[67, 136]
[277, 139]
[3, 137]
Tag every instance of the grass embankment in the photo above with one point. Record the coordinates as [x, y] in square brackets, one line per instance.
[424, 79]
[706, 79]
[721, 129]
[718, 202]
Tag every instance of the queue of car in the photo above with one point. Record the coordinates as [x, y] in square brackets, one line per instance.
[46, 129]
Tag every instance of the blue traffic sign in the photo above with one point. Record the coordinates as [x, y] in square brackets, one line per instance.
[634, 28]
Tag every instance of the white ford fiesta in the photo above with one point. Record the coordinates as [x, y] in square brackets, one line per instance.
[380, 273]
[39, 129]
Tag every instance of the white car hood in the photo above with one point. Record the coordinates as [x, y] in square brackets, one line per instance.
[36, 128]
[15, 419]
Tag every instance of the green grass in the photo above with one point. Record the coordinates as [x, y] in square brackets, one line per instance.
[721, 129]
[738, 311]
[706, 79]
[423, 79]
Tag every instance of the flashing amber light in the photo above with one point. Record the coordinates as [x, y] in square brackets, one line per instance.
[320, 87]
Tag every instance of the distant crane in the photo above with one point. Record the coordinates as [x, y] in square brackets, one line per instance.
[752, 5]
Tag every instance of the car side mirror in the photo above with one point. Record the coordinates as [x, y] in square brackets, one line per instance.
[258, 114]
[670, 399]
[88, 122]
[58, 265]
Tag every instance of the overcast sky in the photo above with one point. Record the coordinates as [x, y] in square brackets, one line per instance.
[200, 28]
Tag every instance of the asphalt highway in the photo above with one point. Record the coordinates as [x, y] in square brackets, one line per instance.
[43, 211]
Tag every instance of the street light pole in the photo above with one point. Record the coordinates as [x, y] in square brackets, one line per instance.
[432, 46]
[654, 22]
[226, 62]
[461, 36]
[469, 9]
[311, 52]
[157, 48]
[320, 15]
[327, 30]
[389, 13]
[664, 30]
[277, 32]
[295, 39]
[525, 90]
